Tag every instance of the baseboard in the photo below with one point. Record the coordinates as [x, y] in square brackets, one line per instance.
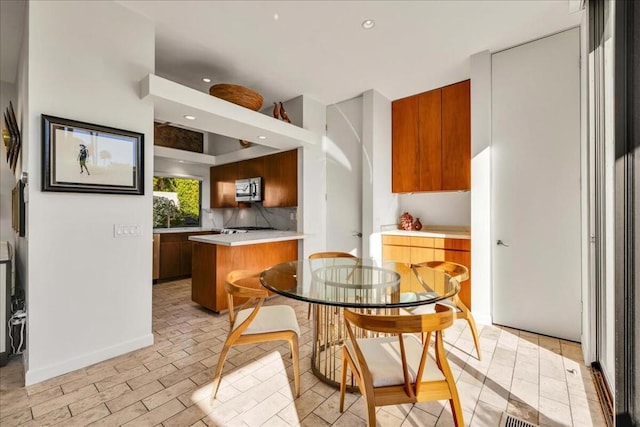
[483, 319]
[33, 376]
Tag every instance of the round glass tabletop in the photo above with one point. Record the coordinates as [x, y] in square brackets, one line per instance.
[359, 283]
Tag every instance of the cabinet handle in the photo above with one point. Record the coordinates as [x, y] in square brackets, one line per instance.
[356, 234]
[501, 243]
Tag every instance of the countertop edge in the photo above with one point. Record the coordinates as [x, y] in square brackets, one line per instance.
[437, 234]
[244, 239]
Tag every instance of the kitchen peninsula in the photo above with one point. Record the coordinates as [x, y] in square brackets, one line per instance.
[215, 256]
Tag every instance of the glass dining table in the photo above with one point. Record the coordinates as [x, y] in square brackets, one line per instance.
[363, 285]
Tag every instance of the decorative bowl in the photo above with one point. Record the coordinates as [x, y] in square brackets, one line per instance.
[237, 94]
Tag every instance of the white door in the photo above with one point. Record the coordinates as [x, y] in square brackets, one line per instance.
[536, 186]
[344, 176]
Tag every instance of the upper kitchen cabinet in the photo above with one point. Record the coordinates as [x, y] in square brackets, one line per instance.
[456, 136]
[431, 148]
[250, 168]
[281, 179]
[416, 149]
[223, 185]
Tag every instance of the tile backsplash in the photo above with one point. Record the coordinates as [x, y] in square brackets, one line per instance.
[256, 215]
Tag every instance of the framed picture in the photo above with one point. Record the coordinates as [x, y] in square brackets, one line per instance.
[87, 158]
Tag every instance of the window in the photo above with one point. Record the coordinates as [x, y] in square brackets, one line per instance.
[176, 202]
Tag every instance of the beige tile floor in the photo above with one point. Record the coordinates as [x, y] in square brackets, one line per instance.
[537, 378]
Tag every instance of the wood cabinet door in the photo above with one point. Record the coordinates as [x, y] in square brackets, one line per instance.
[405, 157]
[185, 258]
[430, 141]
[251, 168]
[396, 253]
[464, 258]
[156, 257]
[281, 179]
[456, 136]
[170, 260]
[223, 186]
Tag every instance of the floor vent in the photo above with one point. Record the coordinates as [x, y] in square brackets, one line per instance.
[511, 421]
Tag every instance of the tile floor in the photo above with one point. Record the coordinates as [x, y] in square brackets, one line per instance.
[537, 378]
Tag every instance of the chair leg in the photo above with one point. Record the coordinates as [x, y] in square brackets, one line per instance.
[343, 380]
[371, 411]
[309, 312]
[218, 374]
[296, 363]
[474, 332]
[456, 411]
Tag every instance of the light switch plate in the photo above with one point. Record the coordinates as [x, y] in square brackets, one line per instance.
[127, 230]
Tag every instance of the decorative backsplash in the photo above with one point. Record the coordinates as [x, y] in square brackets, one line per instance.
[256, 215]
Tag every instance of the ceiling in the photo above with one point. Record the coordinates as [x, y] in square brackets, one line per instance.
[12, 16]
[318, 48]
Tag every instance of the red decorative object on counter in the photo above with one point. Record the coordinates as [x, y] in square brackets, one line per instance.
[406, 221]
[417, 225]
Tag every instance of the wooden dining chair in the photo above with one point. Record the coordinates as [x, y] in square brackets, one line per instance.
[319, 255]
[460, 273]
[252, 322]
[398, 369]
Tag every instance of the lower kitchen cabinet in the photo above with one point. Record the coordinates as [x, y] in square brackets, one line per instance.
[414, 250]
[212, 263]
[156, 256]
[175, 255]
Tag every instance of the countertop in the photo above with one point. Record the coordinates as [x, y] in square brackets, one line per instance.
[184, 230]
[443, 234]
[250, 238]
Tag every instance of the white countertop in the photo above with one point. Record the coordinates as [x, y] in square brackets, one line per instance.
[443, 234]
[184, 230]
[250, 238]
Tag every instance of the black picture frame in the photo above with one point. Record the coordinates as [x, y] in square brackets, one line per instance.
[82, 157]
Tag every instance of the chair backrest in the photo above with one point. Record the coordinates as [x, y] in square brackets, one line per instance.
[453, 269]
[236, 291]
[403, 324]
[331, 255]
[399, 325]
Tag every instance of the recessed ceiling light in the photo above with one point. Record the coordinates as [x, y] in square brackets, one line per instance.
[189, 117]
[262, 137]
[180, 161]
[276, 16]
[206, 79]
[368, 24]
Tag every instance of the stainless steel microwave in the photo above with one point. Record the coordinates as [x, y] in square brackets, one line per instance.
[249, 190]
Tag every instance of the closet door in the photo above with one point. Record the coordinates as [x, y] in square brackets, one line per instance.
[536, 216]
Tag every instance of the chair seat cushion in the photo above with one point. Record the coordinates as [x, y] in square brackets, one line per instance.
[273, 318]
[383, 359]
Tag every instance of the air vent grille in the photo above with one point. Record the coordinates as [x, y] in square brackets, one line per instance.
[511, 421]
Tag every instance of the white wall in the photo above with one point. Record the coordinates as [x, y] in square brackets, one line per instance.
[8, 93]
[481, 255]
[89, 294]
[440, 208]
[312, 173]
[379, 204]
